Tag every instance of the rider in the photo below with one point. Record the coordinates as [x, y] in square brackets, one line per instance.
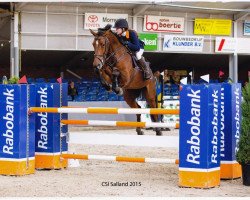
[130, 39]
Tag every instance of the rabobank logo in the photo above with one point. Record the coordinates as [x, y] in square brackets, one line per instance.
[43, 120]
[9, 122]
[193, 155]
[237, 118]
[215, 121]
[222, 123]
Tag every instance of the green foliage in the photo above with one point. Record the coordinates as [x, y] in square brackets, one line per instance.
[13, 80]
[243, 154]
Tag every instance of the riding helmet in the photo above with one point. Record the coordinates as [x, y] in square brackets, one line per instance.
[121, 23]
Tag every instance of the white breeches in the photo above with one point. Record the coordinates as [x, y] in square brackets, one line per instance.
[139, 54]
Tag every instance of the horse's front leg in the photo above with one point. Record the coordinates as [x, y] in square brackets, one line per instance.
[154, 118]
[115, 87]
[138, 129]
[130, 98]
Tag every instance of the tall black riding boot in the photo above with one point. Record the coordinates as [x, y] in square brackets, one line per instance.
[146, 69]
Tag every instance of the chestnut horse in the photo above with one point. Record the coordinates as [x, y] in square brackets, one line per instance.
[111, 55]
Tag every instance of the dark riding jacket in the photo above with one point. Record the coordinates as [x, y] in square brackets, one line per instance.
[132, 41]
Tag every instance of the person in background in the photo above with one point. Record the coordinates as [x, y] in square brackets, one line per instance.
[166, 77]
[4, 80]
[176, 78]
[157, 75]
[72, 90]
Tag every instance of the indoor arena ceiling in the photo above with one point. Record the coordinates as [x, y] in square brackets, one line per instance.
[239, 8]
[215, 7]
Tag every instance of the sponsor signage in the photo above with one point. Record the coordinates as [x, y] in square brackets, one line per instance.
[183, 43]
[231, 45]
[243, 45]
[48, 124]
[14, 124]
[200, 135]
[231, 116]
[225, 45]
[246, 28]
[163, 24]
[150, 40]
[212, 27]
[203, 103]
[230, 130]
[99, 20]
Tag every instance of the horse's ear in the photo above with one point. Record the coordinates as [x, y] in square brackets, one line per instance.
[93, 32]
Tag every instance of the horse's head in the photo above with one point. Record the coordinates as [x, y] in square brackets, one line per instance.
[101, 46]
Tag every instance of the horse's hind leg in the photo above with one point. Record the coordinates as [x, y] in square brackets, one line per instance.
[150, 96]
[130, 98]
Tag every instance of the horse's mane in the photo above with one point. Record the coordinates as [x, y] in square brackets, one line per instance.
[103, 31]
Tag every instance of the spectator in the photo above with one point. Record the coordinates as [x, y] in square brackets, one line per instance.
[166, 77]
[176, 77]
[72, 90]
[157, 75]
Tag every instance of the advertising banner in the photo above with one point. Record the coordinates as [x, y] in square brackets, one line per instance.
[150, 41]
[99, 20]
[163, 24]
[49, 141]
[230, 130]
[243, 45]
[246, 29]
[199, 151]
[225, 45]
[212, 26]
[17, 139]
[183, 43]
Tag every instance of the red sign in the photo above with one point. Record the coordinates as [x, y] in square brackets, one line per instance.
[92, 18]
[163, 24]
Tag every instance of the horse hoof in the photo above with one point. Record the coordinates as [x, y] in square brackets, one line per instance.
[139, 132]
[120, 92]
[158, 133]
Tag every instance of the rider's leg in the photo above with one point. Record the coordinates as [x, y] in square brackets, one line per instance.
[145, 67]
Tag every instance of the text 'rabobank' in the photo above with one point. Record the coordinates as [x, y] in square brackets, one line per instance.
[193, 155]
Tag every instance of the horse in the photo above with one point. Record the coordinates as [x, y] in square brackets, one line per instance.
[113, 60]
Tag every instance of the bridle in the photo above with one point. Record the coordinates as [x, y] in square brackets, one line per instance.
[102, 58]
[106, 56]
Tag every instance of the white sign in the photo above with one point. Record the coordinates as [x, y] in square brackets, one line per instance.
[246, 29]
[243, 45]
[163, 24]
[232, 45]
[225, 45]
[99, 20]
[183, 43]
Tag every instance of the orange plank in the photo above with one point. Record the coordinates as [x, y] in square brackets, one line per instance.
[130, 159]
[102, 110]
[129, 124]
[48, 110]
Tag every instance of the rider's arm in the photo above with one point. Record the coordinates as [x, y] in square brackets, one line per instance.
[133, 43]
